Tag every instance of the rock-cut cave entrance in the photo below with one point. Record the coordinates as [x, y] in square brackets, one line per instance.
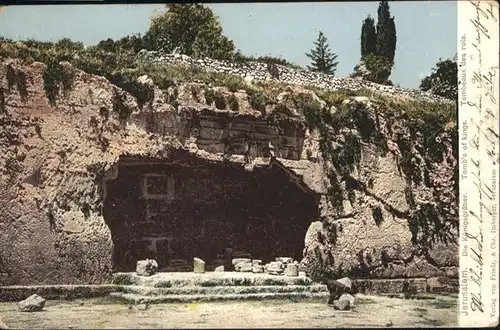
[178, 210]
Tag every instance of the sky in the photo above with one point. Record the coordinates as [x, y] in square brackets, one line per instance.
[426, 30]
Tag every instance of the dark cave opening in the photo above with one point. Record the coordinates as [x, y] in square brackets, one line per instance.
[174, 211]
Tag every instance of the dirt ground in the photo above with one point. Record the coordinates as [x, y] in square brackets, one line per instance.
[370, 311]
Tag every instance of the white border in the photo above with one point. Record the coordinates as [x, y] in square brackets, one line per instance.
[479, 116]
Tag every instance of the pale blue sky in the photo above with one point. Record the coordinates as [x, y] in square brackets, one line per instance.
[427, 30]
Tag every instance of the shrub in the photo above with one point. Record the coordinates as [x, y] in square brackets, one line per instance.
[220, 101]
[120, 107]
[233, 103]
[257, 100]
[54, 76]
[209, 96]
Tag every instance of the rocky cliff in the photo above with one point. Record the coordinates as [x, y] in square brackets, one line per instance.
[382, 173]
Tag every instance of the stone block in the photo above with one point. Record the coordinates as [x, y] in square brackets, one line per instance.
[238, 260]
[146, 267]
[258, 269]
[219, 269]
[33, 303]
[274, 268]
[256, 262]
[243, 267]
[198, 265]
[291, 270]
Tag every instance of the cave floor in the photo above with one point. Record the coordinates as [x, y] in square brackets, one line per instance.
[369, 311]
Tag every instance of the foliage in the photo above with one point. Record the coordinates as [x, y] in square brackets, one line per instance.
[192, 29]
[386, 32]
[323, 60]
[120, 107]
[368, 37]
[209, 96]
[133, 43]
[54, 76]
[233, 103]
[374, 68]
[219, 100]
[443, 80]
[257, 100]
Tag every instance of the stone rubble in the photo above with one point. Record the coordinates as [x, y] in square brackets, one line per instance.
[146, 267]
[33, 303]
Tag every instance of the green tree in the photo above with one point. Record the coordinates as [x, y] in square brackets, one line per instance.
[443, 80]
[323, 60]
[368, 37]
[374, 68]
[386, 32]
[192, 29]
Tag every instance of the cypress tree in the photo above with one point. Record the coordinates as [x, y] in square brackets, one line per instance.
[323, 60]
[386, 32]
[368, 37]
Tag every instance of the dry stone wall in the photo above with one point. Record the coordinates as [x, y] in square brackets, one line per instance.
[254, 71]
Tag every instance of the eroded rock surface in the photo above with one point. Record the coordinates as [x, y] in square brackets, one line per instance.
[56, 160]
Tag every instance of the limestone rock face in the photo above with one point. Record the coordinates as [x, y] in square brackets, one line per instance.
[55, 161]
[146, 267]
[33, 303]
[377, 227]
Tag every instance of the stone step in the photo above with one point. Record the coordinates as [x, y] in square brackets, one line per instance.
[186, 298]
[217, 290]
[209, 279]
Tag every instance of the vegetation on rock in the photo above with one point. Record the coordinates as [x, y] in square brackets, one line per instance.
[443, 80]
[378, 47]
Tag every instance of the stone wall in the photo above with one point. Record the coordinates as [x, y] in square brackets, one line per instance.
[254, 71]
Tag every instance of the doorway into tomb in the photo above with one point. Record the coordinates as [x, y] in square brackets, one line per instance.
[176, 211]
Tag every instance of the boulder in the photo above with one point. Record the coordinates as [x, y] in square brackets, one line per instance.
[146, 267]
[348, 297]
[345, 302]
[198, 265]
[256, 262]
[33, 303]
[291, 270]
[219, 269]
